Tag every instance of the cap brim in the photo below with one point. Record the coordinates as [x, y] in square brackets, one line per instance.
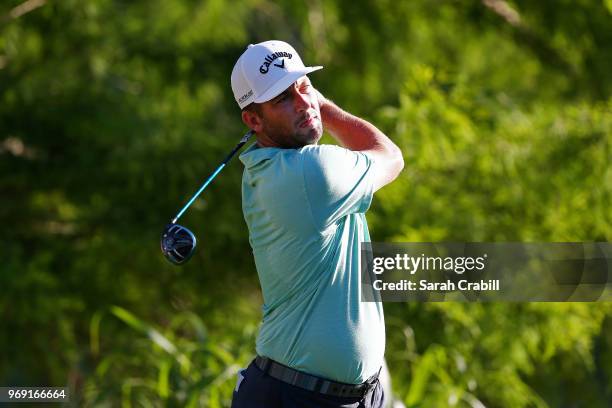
[284, 83]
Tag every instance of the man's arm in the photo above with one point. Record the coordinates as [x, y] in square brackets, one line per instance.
[357, 134]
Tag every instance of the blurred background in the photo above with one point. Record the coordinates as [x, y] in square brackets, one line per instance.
[112, 112]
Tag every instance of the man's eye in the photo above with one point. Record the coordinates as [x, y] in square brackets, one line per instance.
[280, 98]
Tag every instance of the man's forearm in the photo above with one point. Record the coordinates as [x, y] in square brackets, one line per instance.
[351, 131]
[357, 134]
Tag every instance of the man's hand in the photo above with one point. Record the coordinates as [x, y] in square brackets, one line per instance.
[320, 97]
[323, 105]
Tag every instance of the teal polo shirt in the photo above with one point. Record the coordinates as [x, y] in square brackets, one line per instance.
[305, 211]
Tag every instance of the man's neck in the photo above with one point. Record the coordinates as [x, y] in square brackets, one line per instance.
[265, 141]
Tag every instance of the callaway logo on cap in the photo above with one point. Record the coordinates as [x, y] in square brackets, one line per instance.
[265, 70]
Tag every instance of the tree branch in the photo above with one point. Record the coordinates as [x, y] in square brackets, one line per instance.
[23, 8]
[503, 9]
[525, 35]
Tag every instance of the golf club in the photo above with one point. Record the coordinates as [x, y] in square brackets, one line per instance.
[177, 242]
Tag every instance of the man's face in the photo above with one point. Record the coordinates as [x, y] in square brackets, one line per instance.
[293, 118]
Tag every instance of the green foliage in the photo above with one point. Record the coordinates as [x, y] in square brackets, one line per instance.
[184, 365]
[495, 354]
[484, 157]
[112, 112]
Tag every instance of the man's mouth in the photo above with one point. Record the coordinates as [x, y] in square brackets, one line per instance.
[307, 122]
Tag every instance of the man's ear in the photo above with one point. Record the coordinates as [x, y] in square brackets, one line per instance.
[252, 120]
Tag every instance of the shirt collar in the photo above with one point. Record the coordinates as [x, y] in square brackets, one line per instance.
[255, 154]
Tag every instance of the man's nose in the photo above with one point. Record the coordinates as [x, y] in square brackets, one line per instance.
[301, 101]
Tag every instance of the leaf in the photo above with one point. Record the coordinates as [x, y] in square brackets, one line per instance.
[163, 388]
[144, 328]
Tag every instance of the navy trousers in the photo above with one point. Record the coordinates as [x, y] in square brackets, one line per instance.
[254, 389]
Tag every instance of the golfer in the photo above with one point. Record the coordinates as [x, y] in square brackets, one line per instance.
[304, 205]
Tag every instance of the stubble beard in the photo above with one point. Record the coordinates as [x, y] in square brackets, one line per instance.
[296, 138]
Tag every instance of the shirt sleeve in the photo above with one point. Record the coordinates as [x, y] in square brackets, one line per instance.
[338, 182]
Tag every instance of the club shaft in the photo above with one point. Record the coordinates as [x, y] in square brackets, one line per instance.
[244, 139]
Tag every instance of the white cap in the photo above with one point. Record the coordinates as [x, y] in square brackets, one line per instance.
[265, 70]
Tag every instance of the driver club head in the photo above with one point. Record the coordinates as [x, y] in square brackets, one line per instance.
[177, 243]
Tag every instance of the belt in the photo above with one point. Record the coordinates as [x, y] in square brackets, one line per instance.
[313, 383]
